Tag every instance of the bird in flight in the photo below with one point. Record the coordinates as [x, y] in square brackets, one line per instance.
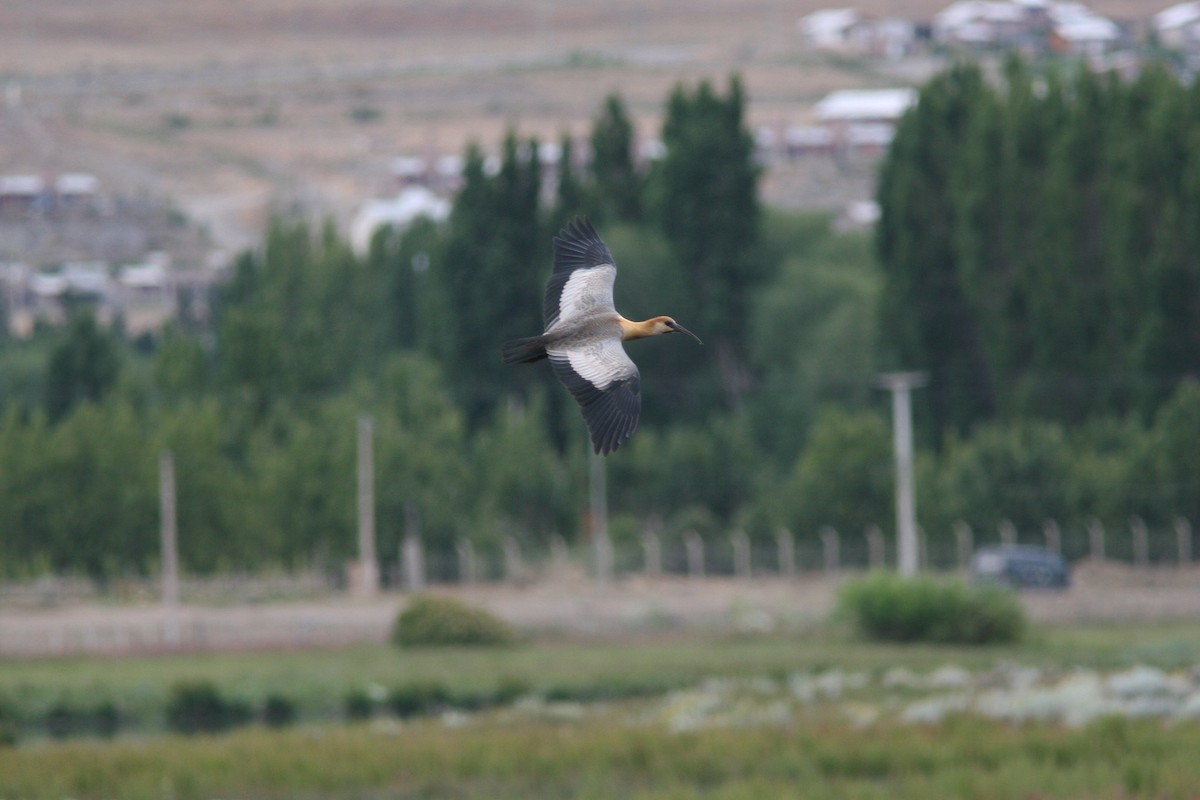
[584, 335]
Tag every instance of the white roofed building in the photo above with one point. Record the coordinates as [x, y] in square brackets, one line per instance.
[864, 106]
[1178, 27]
[401, 211]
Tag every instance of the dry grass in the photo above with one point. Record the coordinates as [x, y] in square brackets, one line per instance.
[227, 107]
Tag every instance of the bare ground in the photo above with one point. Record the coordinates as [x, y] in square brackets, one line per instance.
[567, 605]
[230, 110]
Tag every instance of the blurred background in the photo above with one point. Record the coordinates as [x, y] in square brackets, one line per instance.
[256, 263]
[233, 231]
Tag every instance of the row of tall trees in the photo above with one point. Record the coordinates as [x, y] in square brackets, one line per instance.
[1039, 245]
[773, 422]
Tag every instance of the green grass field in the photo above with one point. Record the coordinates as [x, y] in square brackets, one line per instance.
[621, 740]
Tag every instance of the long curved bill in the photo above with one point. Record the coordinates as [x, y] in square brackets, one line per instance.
[675, 326]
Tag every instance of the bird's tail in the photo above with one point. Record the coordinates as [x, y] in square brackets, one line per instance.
[523, 351]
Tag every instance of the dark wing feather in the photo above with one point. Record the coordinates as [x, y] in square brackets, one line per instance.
[611, 413]
[577, 246]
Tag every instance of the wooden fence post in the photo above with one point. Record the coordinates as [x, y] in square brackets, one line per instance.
[514, 567]
[560, 555]
[1141, 541]
[1096, 538]
[1053, 536]
[468, 571]
[651, 552]
[695, 554]
[1183, 540]
[876, 553]
[832, 550]
[741, 554]
[785, 544]
[964, 539]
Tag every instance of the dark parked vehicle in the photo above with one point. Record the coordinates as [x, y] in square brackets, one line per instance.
[1021, 567]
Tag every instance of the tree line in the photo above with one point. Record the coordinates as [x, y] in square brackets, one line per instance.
[773, 423]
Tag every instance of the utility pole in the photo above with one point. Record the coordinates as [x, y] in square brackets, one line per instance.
[170, 548]
[901, 384]
[368, 566]
[599, 502]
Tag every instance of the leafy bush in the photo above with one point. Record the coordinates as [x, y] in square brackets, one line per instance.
[65, 719]
[9, 723]
[440, 621]
[414, 699]
[278, 711]
[891, 608]
[358, 705]
[199, 708]
[106, 719]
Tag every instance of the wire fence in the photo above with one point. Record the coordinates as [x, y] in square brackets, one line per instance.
[736, 556]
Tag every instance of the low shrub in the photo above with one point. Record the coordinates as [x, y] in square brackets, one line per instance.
[278, 711]
[65, 719]
[106, 719]
[199, 707]
[888, 607]
[9, 724]
[418, 698]
[358, 705]
[442, 621]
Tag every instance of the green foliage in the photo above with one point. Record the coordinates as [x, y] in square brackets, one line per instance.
[705, 201]
[843, 478]
[491, 274]
[278, 711]
[618, 184]
[1013, 472]
[431, 621]
[886, 607]
[199, 707]
[1036, 259]
[1032, 239]
[417, 699]
[82, 368]
[358, 705]
[812, 330]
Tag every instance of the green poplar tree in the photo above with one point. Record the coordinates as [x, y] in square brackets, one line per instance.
[619, 185]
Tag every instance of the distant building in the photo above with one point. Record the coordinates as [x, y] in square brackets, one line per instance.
[76, 191]
[1178, 27]
[861, 106]
[1033, 26]
[846, 30]
[401, 211]
[22, 194]
[829, 28]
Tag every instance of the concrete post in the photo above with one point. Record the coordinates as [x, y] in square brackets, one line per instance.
[1183, 539]
[901, 384]
[170, 549]
[876, 550]
[695, 554]
[832, 550]
[651, 553]
[785, 544]
[1053, 536]
[368, 564]
[1096, 538]
[1141, 541]
[468, 571]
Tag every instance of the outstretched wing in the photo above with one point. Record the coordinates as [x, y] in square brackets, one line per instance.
[606, 384]
[582, 280]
